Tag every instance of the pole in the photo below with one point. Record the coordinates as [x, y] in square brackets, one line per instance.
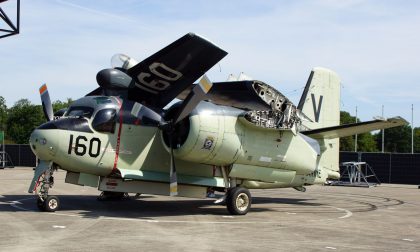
[355, 141]
[3, 153]
[383, 132]
[412, 129]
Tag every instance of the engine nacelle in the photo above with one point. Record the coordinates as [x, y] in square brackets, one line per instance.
[221, 135]
[208, 135]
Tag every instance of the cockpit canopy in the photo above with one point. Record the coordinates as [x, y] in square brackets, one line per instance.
[100, 110]
[122, 61]
[79, 111]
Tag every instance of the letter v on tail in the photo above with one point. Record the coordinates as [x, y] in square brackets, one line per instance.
[317, 110]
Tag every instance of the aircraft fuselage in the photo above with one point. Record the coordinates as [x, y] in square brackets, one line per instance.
[217, 136]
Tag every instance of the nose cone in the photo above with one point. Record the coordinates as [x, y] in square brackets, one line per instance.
[44, 143]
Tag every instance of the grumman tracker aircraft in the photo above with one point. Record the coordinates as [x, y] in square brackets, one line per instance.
[228, 136]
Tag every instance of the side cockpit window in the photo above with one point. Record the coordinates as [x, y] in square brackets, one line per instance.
[104, 121]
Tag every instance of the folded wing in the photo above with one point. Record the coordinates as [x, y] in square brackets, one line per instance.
[161, 77]
[355, 128]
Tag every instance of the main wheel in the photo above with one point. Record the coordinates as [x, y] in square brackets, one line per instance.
[111, 196]
[40, 204]
[51, 204]
[238, 201]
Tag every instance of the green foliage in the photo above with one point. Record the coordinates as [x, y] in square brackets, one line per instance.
[397, 139]
[22, 119]
[346, 143]
[3, 114]
[57, 105]
[417, 140]
[365, 142]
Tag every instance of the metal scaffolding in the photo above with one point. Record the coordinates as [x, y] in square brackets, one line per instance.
[357, 174]
[12, 27]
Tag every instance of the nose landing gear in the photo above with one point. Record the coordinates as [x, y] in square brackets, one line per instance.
[45, 202]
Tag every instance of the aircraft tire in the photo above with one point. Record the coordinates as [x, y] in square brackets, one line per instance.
[112, 196]
[51, 204]
[40, 204]
[238, 201]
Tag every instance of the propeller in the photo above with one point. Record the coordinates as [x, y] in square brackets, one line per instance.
[167, 125]
[197, 94]
[46, 103]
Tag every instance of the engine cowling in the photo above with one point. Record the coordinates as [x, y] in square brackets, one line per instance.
[208, 135]
[219, 135]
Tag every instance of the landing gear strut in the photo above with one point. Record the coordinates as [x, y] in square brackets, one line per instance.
[47, 202]
[238, 200]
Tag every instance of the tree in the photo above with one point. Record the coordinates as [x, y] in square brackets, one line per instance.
[346, 143]
[416, 140]
[3, 114]
[22, 119]
[397, 139]
[365, 142]
[57, 105]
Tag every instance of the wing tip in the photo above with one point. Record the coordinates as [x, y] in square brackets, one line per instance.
[398, 120]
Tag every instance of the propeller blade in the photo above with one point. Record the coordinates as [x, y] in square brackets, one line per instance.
[197, 94]
[173, 181]
[46, 103]
[146, 115]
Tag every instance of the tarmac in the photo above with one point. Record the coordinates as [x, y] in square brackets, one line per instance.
[324, 218]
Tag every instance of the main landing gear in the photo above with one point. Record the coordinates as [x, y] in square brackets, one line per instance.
[238, 200]
[45, 202]
[112, 196]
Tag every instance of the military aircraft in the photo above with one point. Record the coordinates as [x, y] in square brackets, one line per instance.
[224, 137]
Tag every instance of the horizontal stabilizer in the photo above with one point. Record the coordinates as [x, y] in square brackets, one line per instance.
[354, 128]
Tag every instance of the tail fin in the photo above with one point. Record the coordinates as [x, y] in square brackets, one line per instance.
[320, 100]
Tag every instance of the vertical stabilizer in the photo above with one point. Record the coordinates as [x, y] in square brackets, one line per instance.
[320, 102]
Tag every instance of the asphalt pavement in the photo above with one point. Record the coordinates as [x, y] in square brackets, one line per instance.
[324, 218]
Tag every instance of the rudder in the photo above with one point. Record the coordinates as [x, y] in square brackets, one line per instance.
[320, 100]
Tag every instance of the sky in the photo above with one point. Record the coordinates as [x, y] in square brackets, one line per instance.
[374, 46]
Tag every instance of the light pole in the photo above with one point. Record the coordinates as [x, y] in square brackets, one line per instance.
[383, 132]
[412, 129]
[355, 140]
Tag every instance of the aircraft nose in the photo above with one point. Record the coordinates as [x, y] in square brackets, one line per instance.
[44, 143]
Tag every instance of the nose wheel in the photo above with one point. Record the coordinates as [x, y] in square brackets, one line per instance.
[50, 204]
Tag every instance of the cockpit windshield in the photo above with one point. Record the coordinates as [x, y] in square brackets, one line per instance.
[79, 111]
